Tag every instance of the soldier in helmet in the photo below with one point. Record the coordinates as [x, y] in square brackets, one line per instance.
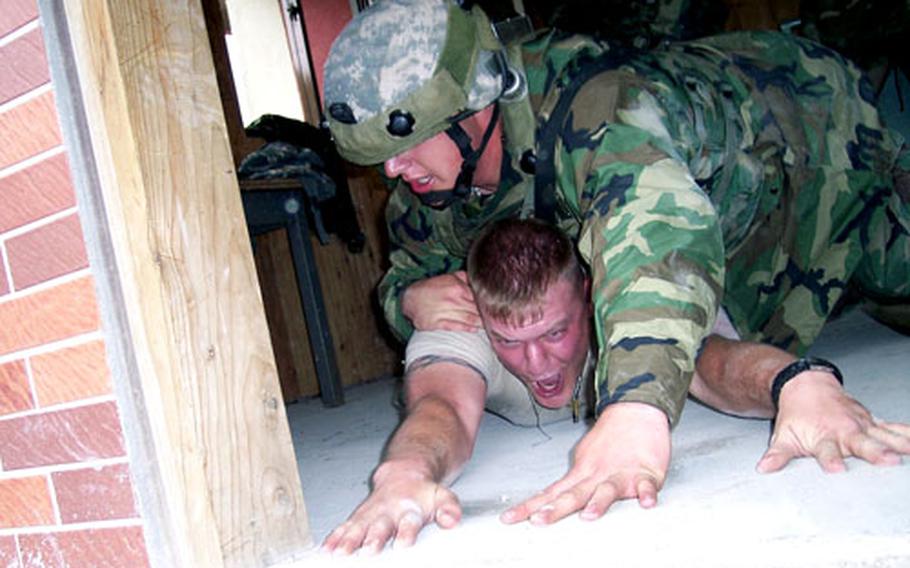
[747, 174]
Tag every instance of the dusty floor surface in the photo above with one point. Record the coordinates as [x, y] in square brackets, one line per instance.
[714, 510]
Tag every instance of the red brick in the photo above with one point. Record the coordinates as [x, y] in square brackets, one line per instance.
[23, 66]
[14, 390]
[71, 374]
[29, 129]
[36, 192]
[9, 556]
[17, 13]
[25, 502]
[67, 436]
[47, 252]
[95, 548]
[4, 286]
[56, 313]
[94, 495]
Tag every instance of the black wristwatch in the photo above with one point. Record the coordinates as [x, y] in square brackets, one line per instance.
[797, 367]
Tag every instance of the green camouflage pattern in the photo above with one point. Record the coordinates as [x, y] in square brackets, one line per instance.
[747, 170]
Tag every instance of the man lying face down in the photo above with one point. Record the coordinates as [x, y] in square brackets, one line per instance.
[533, 297]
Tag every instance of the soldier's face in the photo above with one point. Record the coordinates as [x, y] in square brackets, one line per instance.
[434, 164]
[547, 352]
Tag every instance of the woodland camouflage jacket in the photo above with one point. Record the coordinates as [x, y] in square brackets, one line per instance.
[746, 170]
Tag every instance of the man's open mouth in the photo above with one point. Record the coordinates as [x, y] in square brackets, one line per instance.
[548, 387]
[421, 184]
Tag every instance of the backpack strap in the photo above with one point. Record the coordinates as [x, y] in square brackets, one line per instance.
[545, 164]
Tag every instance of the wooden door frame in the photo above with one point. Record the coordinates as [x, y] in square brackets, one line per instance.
[211, 456]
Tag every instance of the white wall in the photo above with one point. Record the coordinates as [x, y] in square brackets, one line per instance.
[261, 63]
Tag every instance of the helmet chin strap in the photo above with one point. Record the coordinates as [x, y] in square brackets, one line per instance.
[442, 199]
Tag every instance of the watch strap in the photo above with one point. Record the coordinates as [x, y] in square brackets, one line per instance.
[797, 367]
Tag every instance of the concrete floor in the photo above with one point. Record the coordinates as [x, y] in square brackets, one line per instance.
[714, 510]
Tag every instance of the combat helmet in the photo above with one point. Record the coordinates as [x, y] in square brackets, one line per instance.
[403, 71]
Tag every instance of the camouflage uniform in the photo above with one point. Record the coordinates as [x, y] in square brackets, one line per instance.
[749, 169]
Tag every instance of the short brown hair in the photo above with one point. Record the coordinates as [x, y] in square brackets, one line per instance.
[513, 263]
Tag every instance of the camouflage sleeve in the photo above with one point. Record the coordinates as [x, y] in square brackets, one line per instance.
[392, 285]
[414, 255]
[653, 241]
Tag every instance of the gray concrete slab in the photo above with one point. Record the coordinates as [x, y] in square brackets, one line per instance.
[714, 510]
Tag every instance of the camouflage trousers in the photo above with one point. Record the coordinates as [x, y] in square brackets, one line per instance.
[883, 278]
[862, 245]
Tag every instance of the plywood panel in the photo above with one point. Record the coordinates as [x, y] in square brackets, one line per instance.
[364, 348]
[760, 14]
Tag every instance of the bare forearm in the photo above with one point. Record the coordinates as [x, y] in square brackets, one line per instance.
[436, 439]
[736, 376]
[431, 442]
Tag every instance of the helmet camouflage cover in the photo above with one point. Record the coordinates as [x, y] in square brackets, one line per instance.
[402, 71]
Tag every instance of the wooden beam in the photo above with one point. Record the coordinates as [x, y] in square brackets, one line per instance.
[202, 376]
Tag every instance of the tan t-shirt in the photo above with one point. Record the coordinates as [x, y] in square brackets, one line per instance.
[507, 396]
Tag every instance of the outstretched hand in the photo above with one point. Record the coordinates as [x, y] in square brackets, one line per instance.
[624, 456]
[397, 509]
[817, 418]
[443, 302]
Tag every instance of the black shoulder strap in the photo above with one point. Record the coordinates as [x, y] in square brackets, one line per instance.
[545, 168]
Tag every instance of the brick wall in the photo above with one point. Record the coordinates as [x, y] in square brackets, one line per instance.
[65, 492]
